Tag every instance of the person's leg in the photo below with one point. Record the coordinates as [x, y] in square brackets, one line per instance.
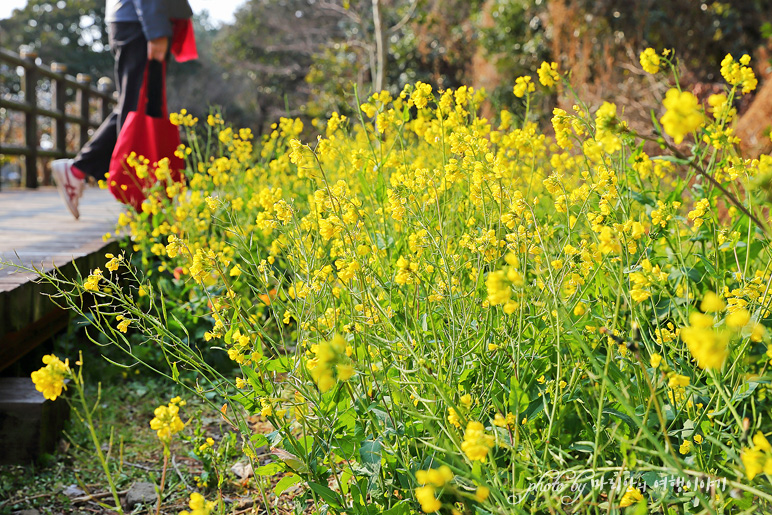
[130, 50]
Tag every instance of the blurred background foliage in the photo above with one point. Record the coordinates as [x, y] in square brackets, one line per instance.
[302, 57]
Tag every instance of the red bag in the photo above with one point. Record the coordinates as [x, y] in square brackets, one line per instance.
[149, 137]
[183, 40]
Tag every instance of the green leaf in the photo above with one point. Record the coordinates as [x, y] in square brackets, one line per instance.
[641, 198]
[254, 379]
[401, 508]
[278, 365]
[258, 440]
[708, 266]
[518, 397]
[751, 252]
[370, 453]
[744, 391]
[228, 338]
[269, 469]
[624, 418]
[345, 477]
[325, 493]
[588, 447]
[286, 482]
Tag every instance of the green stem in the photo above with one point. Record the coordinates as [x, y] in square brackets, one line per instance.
[95, 439]
[163, 480]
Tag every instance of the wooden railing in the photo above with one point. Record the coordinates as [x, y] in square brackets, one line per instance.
[60, 82]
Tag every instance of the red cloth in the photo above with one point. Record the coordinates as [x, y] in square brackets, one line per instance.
[149, 137]
[183, 40]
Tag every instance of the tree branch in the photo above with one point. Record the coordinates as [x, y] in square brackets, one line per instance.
[401, 23]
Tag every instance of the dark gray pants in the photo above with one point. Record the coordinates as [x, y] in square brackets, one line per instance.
[129, 47]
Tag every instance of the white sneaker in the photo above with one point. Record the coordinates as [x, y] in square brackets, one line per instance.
[70, 187]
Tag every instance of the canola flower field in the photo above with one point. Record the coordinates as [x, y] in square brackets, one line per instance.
[438, 312]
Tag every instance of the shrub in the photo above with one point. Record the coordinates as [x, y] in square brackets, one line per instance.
[437, 312]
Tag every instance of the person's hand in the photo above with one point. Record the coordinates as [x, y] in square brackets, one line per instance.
[157, 48]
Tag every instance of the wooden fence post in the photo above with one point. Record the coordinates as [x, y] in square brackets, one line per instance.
[105, 85]
[31, 139]
[59, 93]
[83, 101]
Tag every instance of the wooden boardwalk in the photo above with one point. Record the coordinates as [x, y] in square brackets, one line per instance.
[36, 229]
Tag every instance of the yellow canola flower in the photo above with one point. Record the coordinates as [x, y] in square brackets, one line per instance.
[501, 421]
[522, 86]
[708, 346]
[92, 282]
[453, 417]
[421, 95]
[683, 114]
[434, 477]
[548, 74]
[650, 61]
[476, 442]
[632, 496]
[330, 364]
[607, 125]
[199, 505]
[183, 118]
[721, 107]
[114, 263]
[561, 123]
[739, 73]
[756, 462]
[123, 323]
[712, 303]
[700, 208]
[757, 459]
[206, 445]
[482, 493]
[760, 441]
[167, 421]
[678, 381]
[426, 497]
[738, 319]
[49, 380]
[500, 284]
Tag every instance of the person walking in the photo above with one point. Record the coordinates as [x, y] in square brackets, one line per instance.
[140, 33]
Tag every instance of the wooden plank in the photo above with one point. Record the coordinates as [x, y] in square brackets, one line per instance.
[17, 344]
[28, 420]
[37, 231]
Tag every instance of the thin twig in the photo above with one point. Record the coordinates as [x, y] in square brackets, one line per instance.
[27, 499]
[251, 507]
[94, 497]
[404, 19]
[177, 470]
[139, 466]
